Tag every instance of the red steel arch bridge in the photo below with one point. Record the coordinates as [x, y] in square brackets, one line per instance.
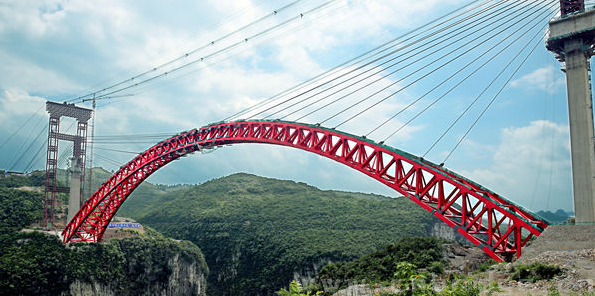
[496, 225]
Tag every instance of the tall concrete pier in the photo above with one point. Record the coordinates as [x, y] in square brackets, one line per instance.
[74, 201]
[572, 37]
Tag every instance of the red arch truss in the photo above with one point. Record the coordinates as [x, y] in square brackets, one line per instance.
[489, 221]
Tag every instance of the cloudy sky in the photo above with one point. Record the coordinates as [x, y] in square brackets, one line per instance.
[60, 50]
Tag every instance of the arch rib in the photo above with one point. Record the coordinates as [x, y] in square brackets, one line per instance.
[489, 221]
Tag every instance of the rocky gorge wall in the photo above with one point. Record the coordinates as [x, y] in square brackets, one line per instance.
[186, 278]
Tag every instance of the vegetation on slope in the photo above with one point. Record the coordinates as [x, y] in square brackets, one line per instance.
[38, 264]
[256, 233]
[143, 197]
[380, 265]
[18, 209]
[535, 271]
[412, 266]
[34, 263]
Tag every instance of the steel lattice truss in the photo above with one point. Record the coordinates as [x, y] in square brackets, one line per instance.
[489, 221]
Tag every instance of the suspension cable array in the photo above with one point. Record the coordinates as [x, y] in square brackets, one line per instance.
[440, 57]
[275, 21]
[362, 85]
[134, 82]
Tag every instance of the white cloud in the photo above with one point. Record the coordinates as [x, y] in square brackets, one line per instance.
[26, 76]
[32, 17]
[547, 78]
[531, 166]
[16, 103]
[66, 47]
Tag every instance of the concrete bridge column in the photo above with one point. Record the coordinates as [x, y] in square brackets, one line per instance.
[580, 113]
[74, 201]
[572, 38]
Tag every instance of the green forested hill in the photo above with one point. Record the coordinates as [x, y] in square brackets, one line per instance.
[34, 263]
[256, 232]
[141, 199]
[18, 209]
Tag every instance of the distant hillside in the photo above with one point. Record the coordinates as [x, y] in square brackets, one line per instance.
[36, 178]
[144, 196]
[560, 216]
[257, 233]
[141, 199]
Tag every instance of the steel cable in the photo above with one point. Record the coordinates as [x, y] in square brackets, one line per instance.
[354, 61]
[473, 103]
[361, 67]
[220, 51]
[417, 52]
[172, 79]
[186, 55]
[415, 81]
[458, 84]
[492, 101]
[35, 158]
[18, 156]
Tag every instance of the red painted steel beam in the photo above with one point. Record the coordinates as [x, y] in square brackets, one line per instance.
[486, 219]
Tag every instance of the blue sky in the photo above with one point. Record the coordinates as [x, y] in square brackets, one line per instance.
[57, 50]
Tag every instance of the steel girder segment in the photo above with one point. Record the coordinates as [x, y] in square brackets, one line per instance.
[489, 221]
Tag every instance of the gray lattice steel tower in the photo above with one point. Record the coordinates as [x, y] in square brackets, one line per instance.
[76, 189]
[571, 38]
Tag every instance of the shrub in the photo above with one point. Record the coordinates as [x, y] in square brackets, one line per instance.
[534, 272]
[379, 266]
[436, 267]
[296, 289]
[486, 265]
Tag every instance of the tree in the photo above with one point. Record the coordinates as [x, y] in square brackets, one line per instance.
[410, 281]
[296, 289]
